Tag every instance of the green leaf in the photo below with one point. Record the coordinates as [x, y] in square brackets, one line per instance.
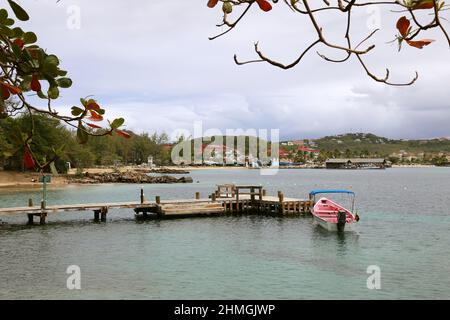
[60, 151]
[5, 31]
[51, 60]
[62, 73]
[42, 95]
[53, 92]
[7, 154]
[3, 57]
[26, 83]
[117, 123]
[3, 15]
[17, 32]
[50, 65]
[64, 82]
[20, 13]
[17, 50]
[30, 37]
[82, 136]
[8, 22]
[77, 111]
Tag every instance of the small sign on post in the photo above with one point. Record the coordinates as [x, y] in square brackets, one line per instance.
[44, 180]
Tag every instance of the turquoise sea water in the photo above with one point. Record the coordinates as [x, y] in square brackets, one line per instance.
[404, 229]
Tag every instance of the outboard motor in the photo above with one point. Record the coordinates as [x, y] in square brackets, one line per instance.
[341, 220]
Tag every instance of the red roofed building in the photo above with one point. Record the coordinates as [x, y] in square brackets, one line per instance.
[306, 149]
[312, 152]
[283, 153]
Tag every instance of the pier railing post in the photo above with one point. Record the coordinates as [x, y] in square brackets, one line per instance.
[30, 216]
[281, 200]
[197, 195]
[237, 199]
[280, 196]
[158, 200]
[142, 196]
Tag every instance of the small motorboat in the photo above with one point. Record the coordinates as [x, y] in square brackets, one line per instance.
[331, 215]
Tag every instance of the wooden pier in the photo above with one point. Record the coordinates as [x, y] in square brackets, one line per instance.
[226, 200]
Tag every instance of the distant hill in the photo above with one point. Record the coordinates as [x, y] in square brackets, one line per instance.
[373, 144]
[361, 144]
[350, 145]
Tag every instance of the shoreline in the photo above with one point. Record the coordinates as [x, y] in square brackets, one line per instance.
[20, 180]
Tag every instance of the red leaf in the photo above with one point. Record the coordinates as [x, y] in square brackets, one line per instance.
[92, 105]
[12, 89]
[8, 89]
[419, 43]
[264, 5]
[422, 4]
[123, 134]
[35, 84]
[34, 53]
[19, 42]
[403, 26]
[28, 158]
[5, 92]
[95, 116]
[212, 3]
[93, 126]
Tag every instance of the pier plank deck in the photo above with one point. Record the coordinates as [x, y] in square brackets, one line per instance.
[242, 203]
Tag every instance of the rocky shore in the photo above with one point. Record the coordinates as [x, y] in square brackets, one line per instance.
[163, 170]
[126, 177]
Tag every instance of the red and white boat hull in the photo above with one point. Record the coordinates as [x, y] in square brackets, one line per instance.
[332, 226]
[330, 216]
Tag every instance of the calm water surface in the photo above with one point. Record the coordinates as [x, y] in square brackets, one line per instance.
[404, 229]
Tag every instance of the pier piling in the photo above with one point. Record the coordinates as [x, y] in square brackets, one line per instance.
[42, 218]
[30, 216]
[104, 212]
[142, 196]
[96, 215]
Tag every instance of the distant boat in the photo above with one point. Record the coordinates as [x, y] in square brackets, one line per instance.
[331, 215]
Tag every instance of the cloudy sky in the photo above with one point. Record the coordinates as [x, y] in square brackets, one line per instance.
[151, 62]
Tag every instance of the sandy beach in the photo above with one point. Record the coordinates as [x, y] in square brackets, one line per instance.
[10, 179]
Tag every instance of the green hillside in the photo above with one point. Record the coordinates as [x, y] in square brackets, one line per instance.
[368, 143]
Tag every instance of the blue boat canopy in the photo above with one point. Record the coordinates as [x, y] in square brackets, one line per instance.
[314, 192]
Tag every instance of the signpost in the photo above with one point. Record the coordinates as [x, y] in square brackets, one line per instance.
[44, 180]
